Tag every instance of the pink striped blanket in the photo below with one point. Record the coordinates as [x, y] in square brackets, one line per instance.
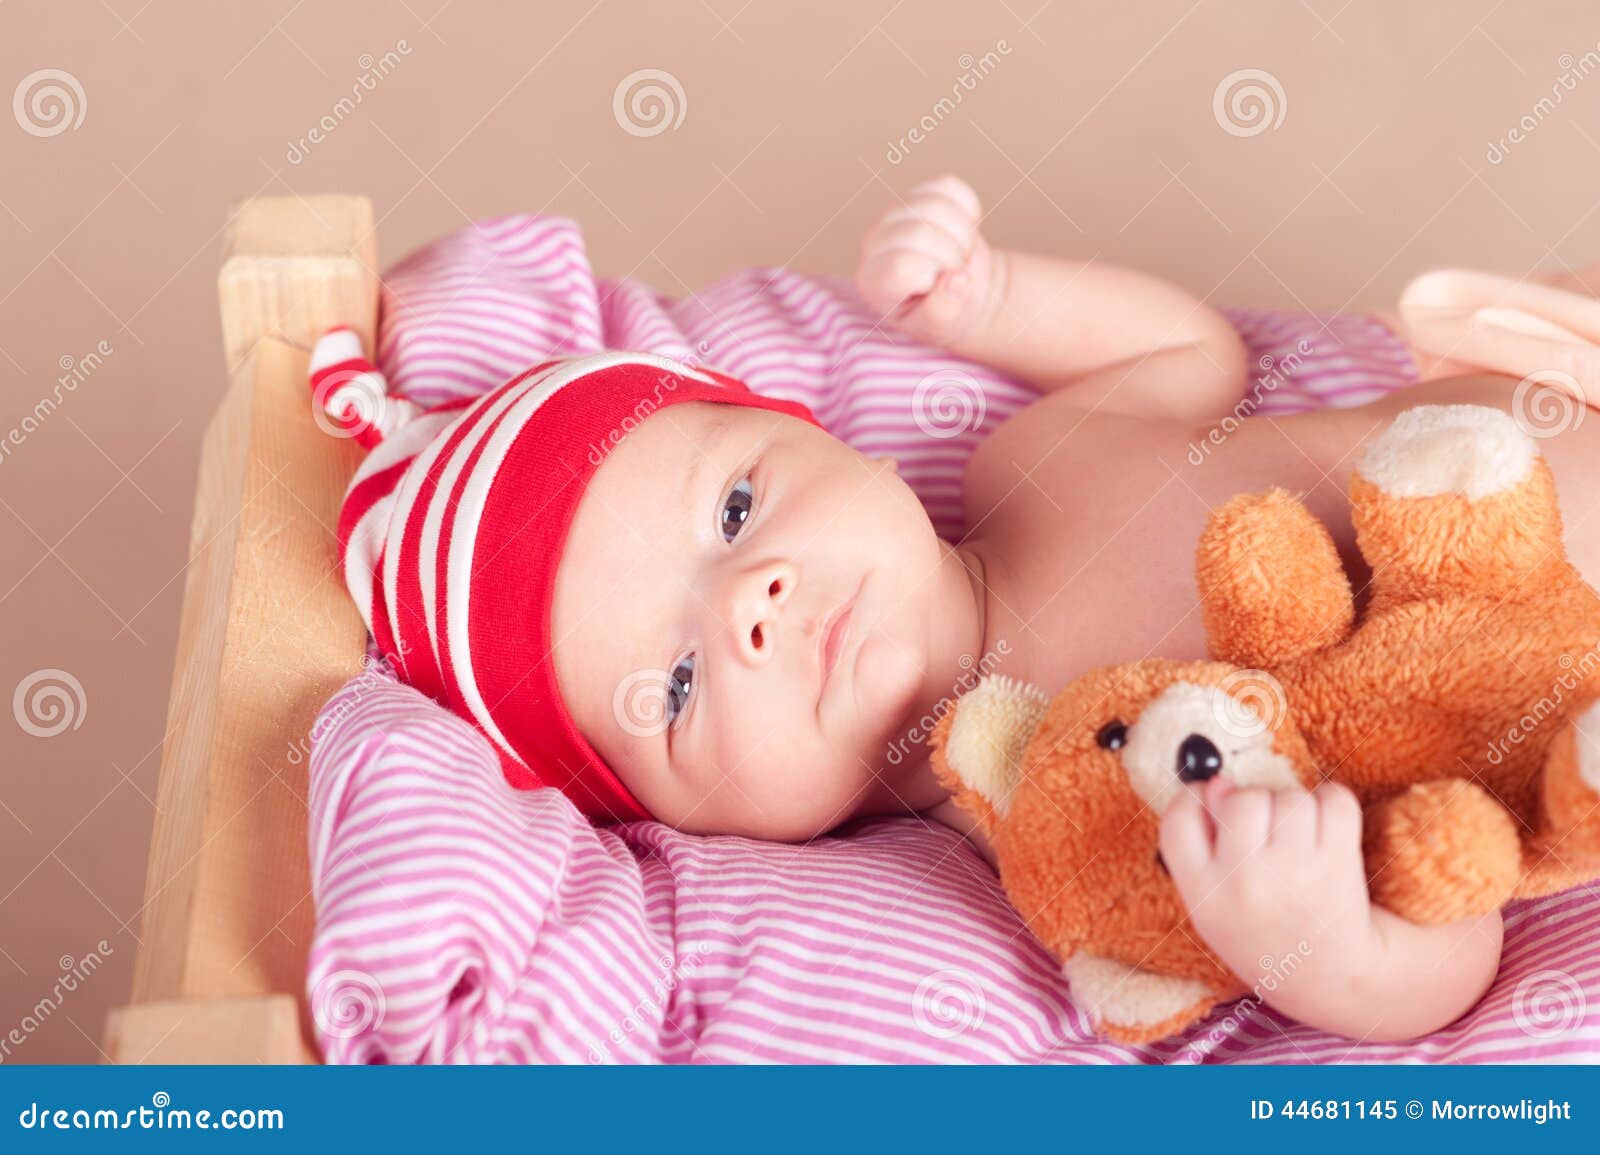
[461, 921]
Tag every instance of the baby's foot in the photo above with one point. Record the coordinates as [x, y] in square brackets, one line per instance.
[925, 267]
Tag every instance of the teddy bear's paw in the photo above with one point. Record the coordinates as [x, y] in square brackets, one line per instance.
[1440, 851]
[1134, 1005]
[1470, 450]
[1272, 587]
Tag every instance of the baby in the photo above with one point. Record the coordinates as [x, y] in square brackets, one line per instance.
[594, 527]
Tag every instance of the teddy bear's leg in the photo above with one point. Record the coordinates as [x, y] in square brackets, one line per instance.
[1133, 1005]
[1566, 848]
[1440, 851]
[1455, 500]
[1272, 588]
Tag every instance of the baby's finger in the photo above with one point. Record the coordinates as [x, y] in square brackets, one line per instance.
[1338, 815]
[911, 233]
[935, 212]
[1186, 835]
[938, 313]
[953, 189]
[1294, 819]
[890, 277]
[1243, 820]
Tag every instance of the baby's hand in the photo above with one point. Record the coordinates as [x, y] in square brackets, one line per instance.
[1267, 873]
[926, 267]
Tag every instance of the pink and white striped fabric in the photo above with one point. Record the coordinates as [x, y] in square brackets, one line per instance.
[459, 920]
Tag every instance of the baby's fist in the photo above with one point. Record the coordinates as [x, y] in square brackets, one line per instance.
[926, 267]
[1260, 870]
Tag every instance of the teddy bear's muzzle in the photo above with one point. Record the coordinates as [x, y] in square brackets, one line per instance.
[1191, 733]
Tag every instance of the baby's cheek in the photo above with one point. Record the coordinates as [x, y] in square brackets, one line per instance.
[888, 679]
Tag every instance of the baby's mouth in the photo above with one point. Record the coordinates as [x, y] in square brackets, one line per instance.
[832, 635]
[833, 638]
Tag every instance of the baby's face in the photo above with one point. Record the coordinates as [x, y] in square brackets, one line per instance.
[742, 619]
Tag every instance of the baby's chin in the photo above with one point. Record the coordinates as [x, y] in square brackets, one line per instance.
[888, 680]
[887, 687]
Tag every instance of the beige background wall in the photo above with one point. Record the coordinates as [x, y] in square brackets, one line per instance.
[1091, 131]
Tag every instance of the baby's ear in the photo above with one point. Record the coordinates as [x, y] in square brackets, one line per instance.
[978, 745]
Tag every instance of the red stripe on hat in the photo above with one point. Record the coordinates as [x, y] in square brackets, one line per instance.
[416, 629]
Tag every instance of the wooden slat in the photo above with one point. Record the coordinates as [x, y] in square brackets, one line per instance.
[266, 635]
[295, 266]
[258, 1030]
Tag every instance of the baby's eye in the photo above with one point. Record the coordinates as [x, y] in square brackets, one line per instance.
[736, 509]
[679, 683]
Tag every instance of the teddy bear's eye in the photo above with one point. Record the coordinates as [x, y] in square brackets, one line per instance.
[1112, 735]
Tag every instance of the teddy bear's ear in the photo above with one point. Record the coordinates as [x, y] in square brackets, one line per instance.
[978, 746]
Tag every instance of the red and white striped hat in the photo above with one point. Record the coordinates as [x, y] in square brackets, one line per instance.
[453, 526]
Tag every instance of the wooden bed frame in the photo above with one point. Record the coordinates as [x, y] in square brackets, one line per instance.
[267, 634]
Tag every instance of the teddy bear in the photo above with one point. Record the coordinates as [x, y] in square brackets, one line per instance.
[1461, 705]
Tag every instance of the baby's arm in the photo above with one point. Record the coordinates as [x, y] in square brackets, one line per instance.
[1117, 339]
[1275, 885]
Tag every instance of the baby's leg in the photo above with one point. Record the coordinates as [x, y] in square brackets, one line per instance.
[1545, 327]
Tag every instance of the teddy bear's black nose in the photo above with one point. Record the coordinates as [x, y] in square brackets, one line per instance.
[1198, 759]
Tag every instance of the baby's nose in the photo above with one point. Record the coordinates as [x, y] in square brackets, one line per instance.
[759, 597]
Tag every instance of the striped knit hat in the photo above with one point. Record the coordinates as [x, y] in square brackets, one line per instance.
[453, 526]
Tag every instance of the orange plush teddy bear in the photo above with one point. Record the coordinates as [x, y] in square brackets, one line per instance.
[1461, 709]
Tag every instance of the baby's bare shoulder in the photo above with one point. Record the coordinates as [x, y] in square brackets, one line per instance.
[1057, 440]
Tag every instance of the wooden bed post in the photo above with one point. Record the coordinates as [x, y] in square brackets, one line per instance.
[267, 634]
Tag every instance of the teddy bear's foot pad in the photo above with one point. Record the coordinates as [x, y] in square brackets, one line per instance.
[1430, 450]
[1130, 1003]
